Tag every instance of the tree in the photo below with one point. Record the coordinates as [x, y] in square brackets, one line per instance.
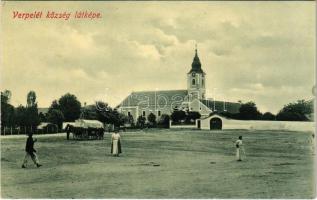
[32, 115]
[70, 107]
[7, 115]
[31, 99]
[6, 96]
[141, 121]
[56, 116]
[152, 119]
[54, 105]
[249, 111]
[89, 112]
[297, 111]
[20, 116]
[117, 119]
[122, 118]
[42, 117]
[268, 116]
[164, 121]
[131, 120]
[178, 115]
[192, 116]
[7, 110]
[104, 112]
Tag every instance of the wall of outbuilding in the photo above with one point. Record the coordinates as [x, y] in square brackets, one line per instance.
[260, 125]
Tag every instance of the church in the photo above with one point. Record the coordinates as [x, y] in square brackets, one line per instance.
[166, 101]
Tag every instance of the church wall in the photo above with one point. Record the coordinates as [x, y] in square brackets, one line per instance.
[138, 110]
[199, 107]
[228, 124]
[133, 111]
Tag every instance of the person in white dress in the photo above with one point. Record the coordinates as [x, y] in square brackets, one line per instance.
[239, 149]
[115, 144]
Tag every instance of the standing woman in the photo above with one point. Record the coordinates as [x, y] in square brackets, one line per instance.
[239, 148]
[115, 144]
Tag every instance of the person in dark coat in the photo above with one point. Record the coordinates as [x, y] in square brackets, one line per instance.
[30, 152]
[68, 129]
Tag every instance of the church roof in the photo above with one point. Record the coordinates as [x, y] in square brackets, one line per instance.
[150, 98]
[230, 107]
[196, 65]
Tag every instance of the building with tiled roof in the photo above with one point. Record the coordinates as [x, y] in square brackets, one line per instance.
[165, 101]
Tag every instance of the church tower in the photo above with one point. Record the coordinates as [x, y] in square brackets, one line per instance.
[196, 80]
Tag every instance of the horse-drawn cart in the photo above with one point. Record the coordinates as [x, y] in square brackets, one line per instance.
[86, 129]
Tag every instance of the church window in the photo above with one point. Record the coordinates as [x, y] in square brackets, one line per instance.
[143, 113]
[193, 82]
[202, 82]
[159, 113]
[129, 113]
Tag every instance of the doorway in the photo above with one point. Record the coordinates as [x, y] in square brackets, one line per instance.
[215, 123]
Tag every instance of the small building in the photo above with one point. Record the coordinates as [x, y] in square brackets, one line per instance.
[46, 127]
[218, 122]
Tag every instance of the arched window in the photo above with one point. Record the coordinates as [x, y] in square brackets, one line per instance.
[202, 82]
[193, 82]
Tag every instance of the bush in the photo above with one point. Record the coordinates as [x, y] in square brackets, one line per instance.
[297, 111]
[268, 116]
[55, 116]
[152, 120]
[191, 116]
[178, 115]
[140, 122]
[164, 121]
[249, 111]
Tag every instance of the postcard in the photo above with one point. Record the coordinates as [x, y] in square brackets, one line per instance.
[158, 99]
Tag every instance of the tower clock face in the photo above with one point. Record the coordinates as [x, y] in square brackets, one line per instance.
[193, 74]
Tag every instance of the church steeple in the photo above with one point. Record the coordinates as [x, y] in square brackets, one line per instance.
[196, 79]
[196, 65]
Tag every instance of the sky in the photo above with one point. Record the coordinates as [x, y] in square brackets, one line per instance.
[251, 51]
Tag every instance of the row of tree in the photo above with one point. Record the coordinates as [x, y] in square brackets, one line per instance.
[21, 116]
[151, 121]
[187, 117]
[68, 108]
[298, 111]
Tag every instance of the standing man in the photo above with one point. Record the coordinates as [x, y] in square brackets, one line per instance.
[30, 152]
[239, 148]
[68, 131]
[115, 144]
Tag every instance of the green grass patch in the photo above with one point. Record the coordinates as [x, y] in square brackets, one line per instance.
[161, 163]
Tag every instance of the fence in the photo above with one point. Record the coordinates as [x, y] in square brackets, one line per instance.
[183, 125]
[27, 129]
